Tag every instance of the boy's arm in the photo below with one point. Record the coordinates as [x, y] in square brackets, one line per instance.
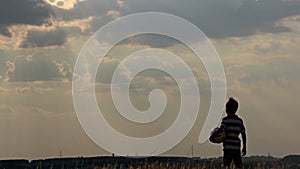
[222, 126]
[244, 138]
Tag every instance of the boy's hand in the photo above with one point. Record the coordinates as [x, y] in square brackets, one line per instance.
[244, 151]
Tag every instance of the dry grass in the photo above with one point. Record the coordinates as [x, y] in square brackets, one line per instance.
[158, 165]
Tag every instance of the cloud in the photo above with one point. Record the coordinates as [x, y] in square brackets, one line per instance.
[4, 31]
[3, 90]
[53, 33]
[32, 89]
[22, 12]
[113, 13]
[218, 19]
[260, 61]
[10, 70]
[85, 9]
[39, 68]
[63, 4]
[221, 19]
[32, 23]
[65, 69]
[37, 38]
[150, 40]
[120, 3]
[82, 24]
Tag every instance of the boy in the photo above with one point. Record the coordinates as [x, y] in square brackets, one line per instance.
[233, 126]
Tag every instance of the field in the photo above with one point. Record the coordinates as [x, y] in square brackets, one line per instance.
[253, 162]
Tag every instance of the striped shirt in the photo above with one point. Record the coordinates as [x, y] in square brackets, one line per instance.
[233, 126]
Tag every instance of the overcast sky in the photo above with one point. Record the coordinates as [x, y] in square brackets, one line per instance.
[257, 40]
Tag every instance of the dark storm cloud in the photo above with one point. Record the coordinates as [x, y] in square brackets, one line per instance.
[217, 19]
[41, 38]
[33, 12]
[220, 19]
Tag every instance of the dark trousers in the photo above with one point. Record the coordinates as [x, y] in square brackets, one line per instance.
[232, 155]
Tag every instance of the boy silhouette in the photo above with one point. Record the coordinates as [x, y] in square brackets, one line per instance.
[233, 126]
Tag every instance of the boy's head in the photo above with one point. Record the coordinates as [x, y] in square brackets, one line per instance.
[231, 106]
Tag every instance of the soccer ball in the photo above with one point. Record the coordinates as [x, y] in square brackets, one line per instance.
[217, 135]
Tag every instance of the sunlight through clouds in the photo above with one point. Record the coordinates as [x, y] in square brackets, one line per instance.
[257, 40]
[63, 4]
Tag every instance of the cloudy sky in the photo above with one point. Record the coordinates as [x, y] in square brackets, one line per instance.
[257, 41]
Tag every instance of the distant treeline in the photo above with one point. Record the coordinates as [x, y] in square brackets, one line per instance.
[160, 162]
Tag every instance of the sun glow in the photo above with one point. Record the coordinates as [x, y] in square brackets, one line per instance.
[63, 4]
